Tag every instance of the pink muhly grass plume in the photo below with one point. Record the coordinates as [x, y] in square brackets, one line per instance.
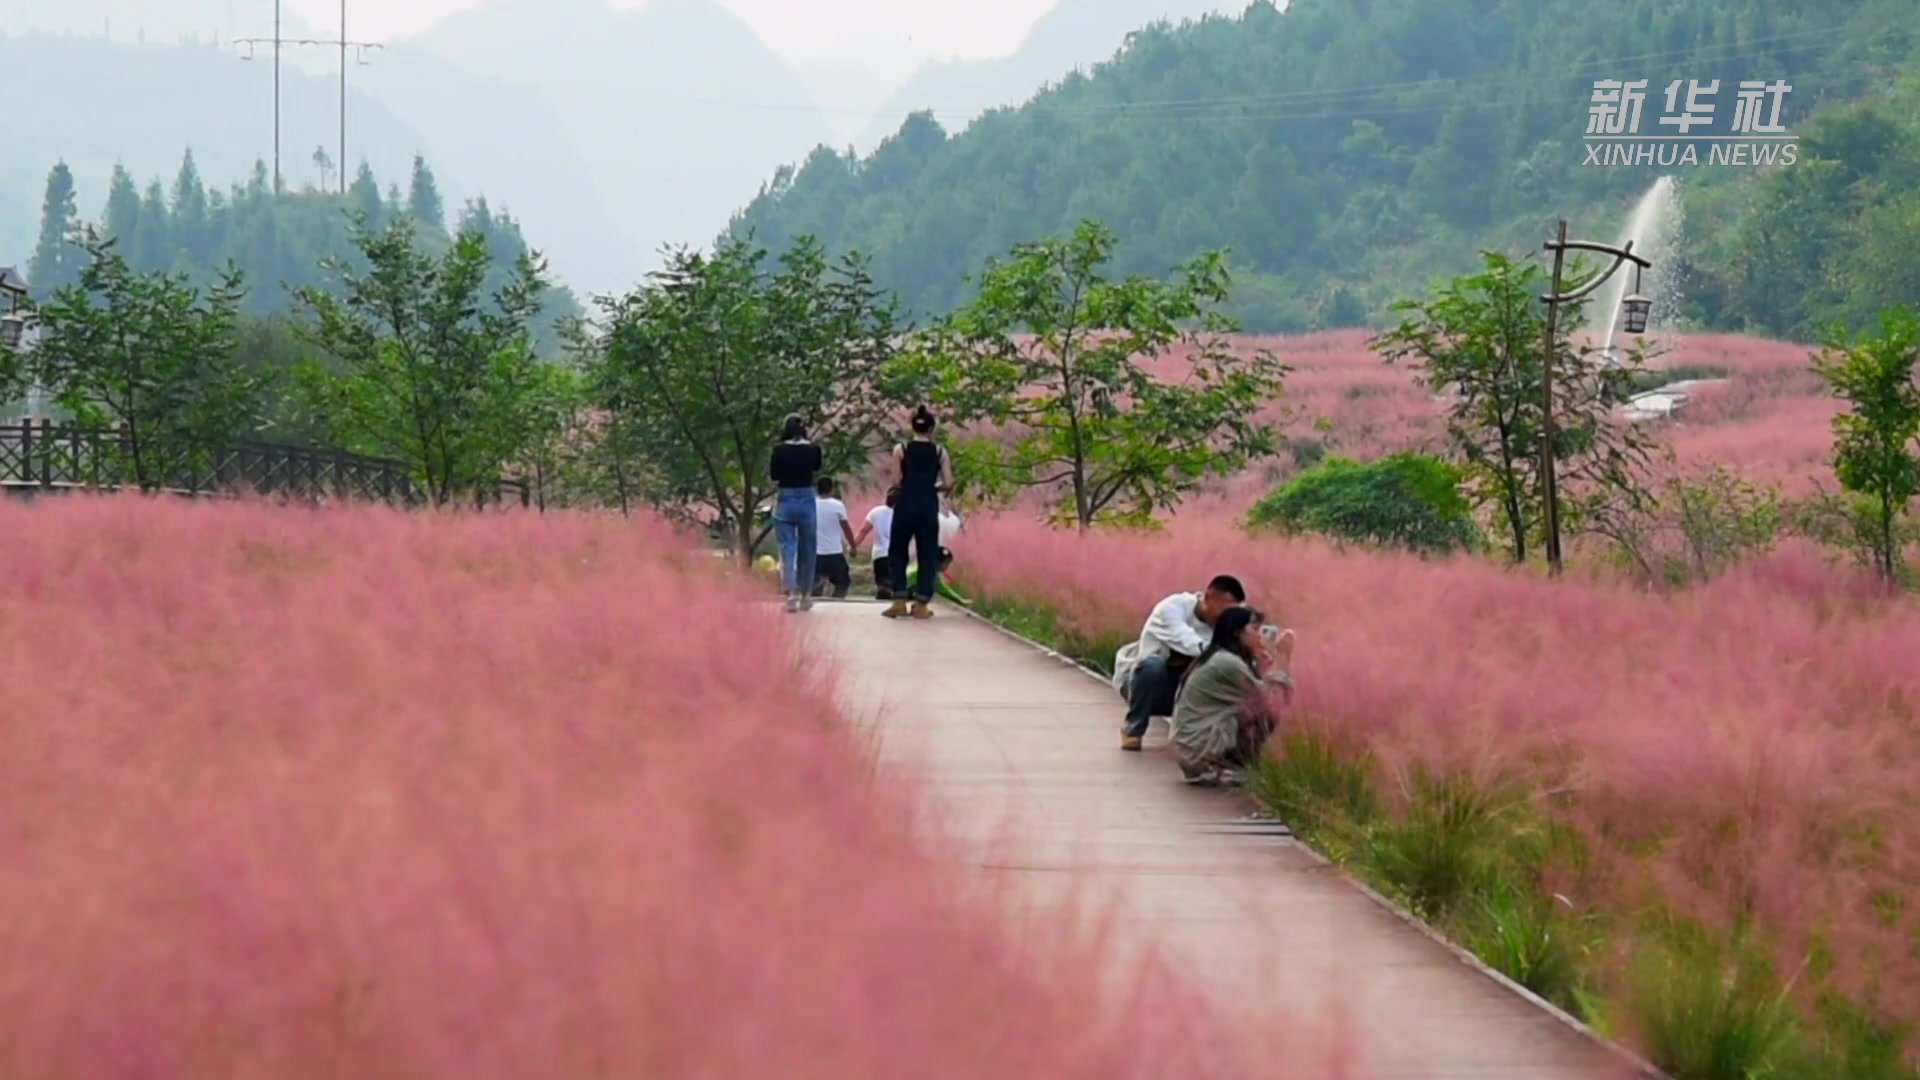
[351, 792]
[1767, 417]
[1743, 751]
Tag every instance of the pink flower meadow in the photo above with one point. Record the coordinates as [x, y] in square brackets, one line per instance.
[352, 793]
[1746, 750]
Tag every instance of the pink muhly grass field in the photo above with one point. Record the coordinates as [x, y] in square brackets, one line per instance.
[353, 793]
[1768, 418]
[1746, 749]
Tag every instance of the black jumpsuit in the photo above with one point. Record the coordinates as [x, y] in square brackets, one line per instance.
[916, 519]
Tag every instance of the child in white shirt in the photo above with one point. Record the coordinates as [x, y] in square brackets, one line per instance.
[880, 526]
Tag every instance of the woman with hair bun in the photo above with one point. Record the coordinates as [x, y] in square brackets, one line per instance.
[925, 475]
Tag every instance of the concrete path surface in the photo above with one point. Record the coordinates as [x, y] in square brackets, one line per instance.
[1000, 733]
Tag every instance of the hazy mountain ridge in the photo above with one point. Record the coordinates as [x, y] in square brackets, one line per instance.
[142, 106]
[607, 133]
[1073, 34]
[679, 108]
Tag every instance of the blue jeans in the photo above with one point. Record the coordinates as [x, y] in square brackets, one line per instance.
[1152, 693]
[796, 524]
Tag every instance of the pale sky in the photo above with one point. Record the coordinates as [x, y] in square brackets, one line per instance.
[797, 29]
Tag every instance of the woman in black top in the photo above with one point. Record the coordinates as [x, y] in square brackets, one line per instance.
[796, 522]
[925, 474]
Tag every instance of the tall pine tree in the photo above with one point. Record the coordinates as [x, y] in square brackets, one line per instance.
[258, 183]
[192, 226]
[423, 202]
[153, 246]
[123, 208]
[57, 260]
[364, 197]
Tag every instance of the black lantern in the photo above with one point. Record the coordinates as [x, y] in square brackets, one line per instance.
[12, 329]
[1637, 307]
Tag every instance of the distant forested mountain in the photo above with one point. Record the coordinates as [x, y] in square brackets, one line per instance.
[278, 240]
[1349, 151]
[99, 104]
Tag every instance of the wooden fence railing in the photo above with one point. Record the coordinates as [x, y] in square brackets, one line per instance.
[42, 455]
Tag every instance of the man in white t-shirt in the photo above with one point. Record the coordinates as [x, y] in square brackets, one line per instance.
[835, 540]
[1147, 672]
[880, 526]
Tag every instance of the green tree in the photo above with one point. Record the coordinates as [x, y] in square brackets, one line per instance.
[426, 368]
[323, 161]
[1056, 355]
[152, 355]
[1341, 308]
[274, 352]
[1408, 501]
[152, 247]
[605, 464]
[1479, 341]
[1696, 526]
[695, 370]
[192, 217]
[284, 238]
[123, 210]
[423, 198]
[552, 449]
[364, 197]
[1876, 269]
[57, 259]
[1873, 452]
[507, 244]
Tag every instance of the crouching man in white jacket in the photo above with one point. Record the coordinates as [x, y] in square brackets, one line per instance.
[1147, 672]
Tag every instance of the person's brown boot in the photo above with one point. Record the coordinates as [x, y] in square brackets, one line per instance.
[922, 610]
[897, 611]
[1131, 742]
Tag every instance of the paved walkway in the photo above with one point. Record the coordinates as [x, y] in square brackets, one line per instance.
[1003, 735]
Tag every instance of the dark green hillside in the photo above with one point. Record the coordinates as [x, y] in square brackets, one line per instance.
[1347, 150]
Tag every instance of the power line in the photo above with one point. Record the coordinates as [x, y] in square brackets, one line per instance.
[362, 48]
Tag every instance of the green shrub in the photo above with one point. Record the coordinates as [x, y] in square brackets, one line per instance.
[1708, 1009]
[1449, 846]
[1325, 795]
[1694, 527]
[1340, 309]
[1408, 500]
[1525, 937]
[1039, 623]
